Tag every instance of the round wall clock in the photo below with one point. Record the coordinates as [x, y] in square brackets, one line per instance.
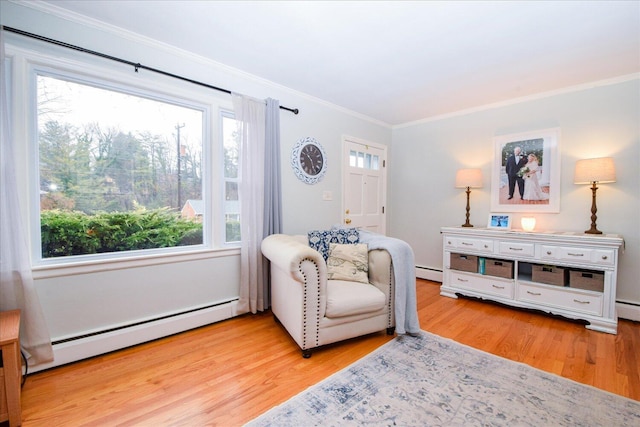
[309, 160]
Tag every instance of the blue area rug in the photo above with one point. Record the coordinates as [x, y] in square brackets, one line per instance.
[433, 381]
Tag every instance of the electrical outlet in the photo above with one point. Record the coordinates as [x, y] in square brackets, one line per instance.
[327, 195]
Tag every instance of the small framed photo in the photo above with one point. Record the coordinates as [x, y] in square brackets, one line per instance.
[499, 221]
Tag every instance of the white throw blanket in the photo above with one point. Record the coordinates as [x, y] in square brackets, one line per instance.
[406, 310]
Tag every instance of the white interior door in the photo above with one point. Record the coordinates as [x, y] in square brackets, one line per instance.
[365, 184]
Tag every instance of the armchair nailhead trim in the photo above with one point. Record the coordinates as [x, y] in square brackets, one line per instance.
[304, 308]
[317, 311]
[304, 311]
[391, 295]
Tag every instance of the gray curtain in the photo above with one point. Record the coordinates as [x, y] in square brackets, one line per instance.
[272, 184]
[260, 201]
[17, 290]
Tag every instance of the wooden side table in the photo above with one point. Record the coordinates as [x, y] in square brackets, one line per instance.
[11, 369]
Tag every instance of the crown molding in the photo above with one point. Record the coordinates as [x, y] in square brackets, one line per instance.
[513, 101]
[96, 24]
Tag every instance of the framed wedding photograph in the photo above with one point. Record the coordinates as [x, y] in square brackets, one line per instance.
[499, 221]
[525, 175]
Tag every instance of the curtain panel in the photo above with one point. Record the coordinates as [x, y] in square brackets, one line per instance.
[260, 199]
[17, 290]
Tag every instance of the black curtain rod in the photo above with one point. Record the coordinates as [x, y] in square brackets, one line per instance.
[136, 65]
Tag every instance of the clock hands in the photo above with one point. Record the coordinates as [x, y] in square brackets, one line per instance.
[312, 164]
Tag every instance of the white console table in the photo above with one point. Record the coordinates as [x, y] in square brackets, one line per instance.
[588, 254]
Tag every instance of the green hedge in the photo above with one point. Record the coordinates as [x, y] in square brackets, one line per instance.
[75, 233]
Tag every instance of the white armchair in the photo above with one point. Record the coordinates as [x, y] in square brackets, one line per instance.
[316, 311]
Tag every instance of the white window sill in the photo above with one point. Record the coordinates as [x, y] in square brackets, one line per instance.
[96, 265]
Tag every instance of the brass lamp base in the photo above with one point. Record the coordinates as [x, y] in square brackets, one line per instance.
[594, 209]
[593, 231]
[467, 223]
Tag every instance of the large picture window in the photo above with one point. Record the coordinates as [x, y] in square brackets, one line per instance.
[118, 170]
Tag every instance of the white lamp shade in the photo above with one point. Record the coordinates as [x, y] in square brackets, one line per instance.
[595, 170]
[469, 178]
[528, 223]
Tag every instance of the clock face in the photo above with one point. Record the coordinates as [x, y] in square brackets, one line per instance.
[311, 159]
[308, 160]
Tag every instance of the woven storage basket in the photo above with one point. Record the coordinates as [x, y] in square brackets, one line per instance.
[499, 268]
[550, 274]
[464, 262]
[589, 280]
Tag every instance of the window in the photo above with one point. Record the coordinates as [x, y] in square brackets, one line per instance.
[358, 159]
[231, 168]
[119, 169]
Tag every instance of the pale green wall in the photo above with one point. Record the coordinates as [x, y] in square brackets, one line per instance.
[594, 122]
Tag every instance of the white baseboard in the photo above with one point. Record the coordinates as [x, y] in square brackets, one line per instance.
[628, 311]
[429, 273]
[95, 345]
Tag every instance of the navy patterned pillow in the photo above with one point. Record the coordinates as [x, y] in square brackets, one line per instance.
[320, 239]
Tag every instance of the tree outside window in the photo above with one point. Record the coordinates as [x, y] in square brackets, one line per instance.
[115, 169]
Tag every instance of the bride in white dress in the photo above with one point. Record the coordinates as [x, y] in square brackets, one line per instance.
[532, 190]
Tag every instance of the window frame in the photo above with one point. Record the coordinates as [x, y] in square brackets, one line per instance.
[228, 114]
[28, 64]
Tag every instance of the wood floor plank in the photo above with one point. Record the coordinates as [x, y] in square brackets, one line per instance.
[230, 372]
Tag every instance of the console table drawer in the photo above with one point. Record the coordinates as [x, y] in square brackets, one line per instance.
[516, 248]
[589, 303]
[485, 285]
[604, 257]
[469, 244]
[581, 255]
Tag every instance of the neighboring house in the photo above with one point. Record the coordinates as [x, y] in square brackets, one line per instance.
[193, 209]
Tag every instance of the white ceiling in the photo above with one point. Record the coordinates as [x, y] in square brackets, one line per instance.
[397, 62]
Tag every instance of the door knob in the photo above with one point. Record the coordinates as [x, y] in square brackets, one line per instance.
[347, 212]
[347, 221]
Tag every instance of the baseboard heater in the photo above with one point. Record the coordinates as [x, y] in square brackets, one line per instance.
[628, 310]
[143, 322]
[75, 348]
[429, 273]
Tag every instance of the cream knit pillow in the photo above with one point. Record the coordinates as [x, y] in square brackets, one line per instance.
[348, 262]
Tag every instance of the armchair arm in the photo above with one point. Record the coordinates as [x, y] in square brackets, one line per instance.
[288, 252]
[381, 276]
[298, 286]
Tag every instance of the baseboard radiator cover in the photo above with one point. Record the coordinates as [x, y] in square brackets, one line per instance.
[429, 273]
[628, 310]
[73, 350]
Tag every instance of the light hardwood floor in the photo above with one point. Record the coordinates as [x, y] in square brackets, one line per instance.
[230, 372]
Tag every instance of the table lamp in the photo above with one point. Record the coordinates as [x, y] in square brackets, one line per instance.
[593, 171]
[468, 178]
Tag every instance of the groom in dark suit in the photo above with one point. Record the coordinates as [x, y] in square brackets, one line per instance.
[515, 162]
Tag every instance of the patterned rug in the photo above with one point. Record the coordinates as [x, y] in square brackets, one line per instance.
[433, 381]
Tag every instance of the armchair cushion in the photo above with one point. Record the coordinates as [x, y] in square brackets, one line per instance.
[345, 298]
[320, 239]
[348, 262]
